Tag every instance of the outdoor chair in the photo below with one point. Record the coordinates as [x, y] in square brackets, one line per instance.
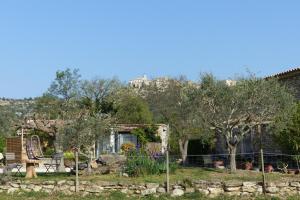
[11, 166]
[54, 163]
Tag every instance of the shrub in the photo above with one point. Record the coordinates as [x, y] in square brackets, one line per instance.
[69, 155]
[139, 163]
[127, 147]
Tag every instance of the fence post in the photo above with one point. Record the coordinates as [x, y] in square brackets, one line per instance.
[167, 161]
[76, 168]
[262, 160]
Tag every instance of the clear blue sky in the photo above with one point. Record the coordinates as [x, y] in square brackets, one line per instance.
[155, 37]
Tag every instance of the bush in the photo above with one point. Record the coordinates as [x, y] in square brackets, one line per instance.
[2, 143]
[127, 147]
[139, 163]
[69, 155]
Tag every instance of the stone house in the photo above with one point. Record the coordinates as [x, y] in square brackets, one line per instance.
[251, 142]
[291, 78]
[121, 134]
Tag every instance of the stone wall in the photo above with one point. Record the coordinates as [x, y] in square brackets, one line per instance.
[293, 82]
[211, 189]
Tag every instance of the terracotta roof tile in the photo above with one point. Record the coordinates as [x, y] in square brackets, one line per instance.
[290, 71]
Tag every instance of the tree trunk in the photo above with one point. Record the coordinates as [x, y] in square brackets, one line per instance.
[30, 171]
[58, 149]
[183, 146]
[232, 152]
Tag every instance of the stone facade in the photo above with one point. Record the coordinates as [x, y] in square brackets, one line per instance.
[291, 79]
[211, 189]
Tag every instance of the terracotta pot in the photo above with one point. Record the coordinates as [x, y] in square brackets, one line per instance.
[218, 163]
[248, 166]
[292, 171]
[269, 168]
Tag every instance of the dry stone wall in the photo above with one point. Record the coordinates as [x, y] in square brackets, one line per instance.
[211, 189]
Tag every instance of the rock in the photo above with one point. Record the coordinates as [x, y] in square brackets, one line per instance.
[236, 193]
[124, 191]
[15, 185]
[232, 189]
[215, 190]
[233, 184]
[148, 191]
[37, 188]
[94, 189]
[259, 189]
[47, 191]
[70, 183]
[177, 193]
[177, 187]
[203, 191]
[272, 189]
[152, 185]
[61, 182]
[49, 187]
[73, 188]
[282, 184]
[161, 190]
[23, 187]
[189, 190]
[4, 187]
[249, 184]
[295, 184]
[249, 189]
[49, 183]
[125, 175]
[12, 190]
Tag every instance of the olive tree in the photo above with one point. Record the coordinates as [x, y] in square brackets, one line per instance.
[173, 102]
[233, 110]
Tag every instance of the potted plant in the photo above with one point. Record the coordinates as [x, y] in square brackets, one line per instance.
[249, 165]
[219, 164]
[269, 168]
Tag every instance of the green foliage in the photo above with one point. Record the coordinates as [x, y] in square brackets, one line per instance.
[147, 134]
[289, 137]
[131, 108]
[139, 163]
[2, 143]
[69, 155]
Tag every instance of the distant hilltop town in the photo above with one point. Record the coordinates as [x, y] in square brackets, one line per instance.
[139, 82]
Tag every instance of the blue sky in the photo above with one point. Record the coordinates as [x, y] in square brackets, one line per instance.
[133, 37]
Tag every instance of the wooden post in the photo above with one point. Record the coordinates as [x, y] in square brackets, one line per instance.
[262, 161]
[76, 168]
[30, 170]
[167, 161]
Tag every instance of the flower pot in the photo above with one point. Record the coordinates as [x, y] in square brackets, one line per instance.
[219, 164]
[248, 166]
[292, 171]
[269, 168]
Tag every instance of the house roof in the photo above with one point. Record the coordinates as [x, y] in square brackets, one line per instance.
[285, 74]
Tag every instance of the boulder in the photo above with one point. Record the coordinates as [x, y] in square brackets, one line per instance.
[189, 190]
[177, 193]
[272, 190]
[161, 190]
[152, 185]
[148, 191]
[232, 189]
[203, 191]
[249, 184]
[295, 184]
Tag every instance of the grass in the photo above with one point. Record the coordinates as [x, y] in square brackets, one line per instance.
[180, 175]
[118, 195]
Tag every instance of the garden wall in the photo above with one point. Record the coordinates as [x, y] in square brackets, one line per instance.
[208, 188]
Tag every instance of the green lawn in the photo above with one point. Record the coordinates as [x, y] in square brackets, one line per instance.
[180, 175]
